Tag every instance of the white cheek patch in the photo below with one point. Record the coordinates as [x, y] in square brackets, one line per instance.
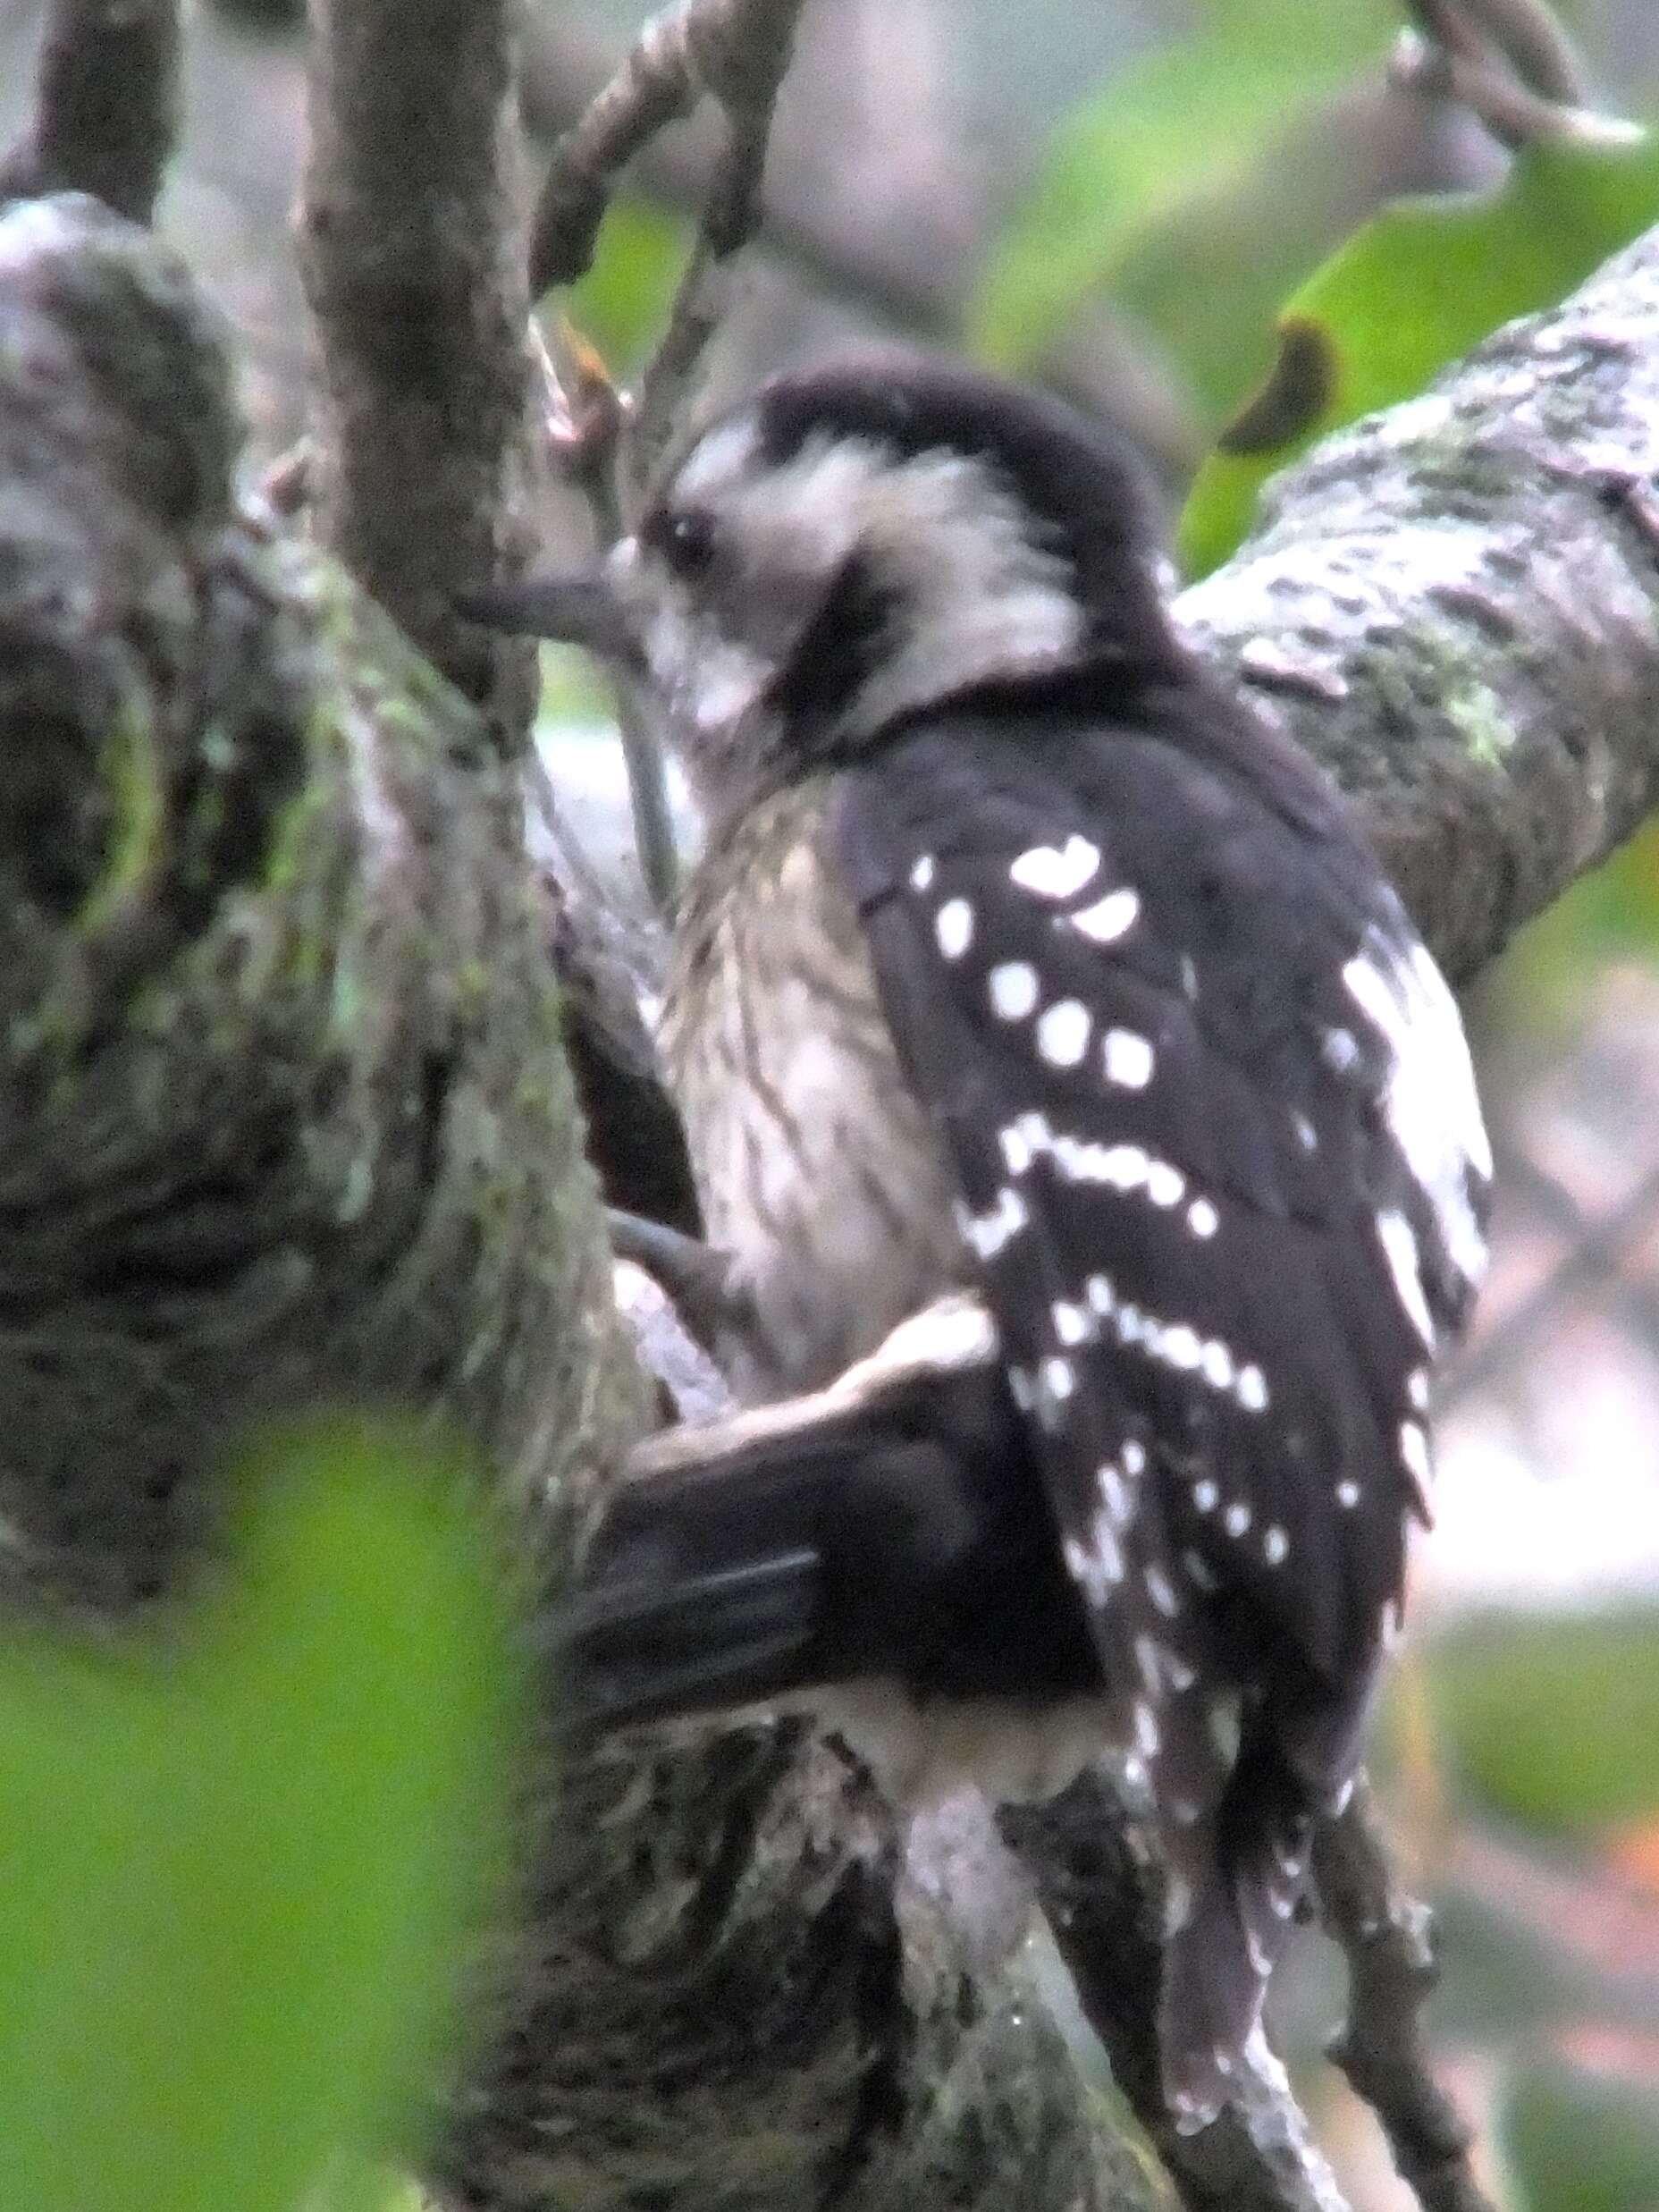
[710, 682]
[727, 680]
[719, 459]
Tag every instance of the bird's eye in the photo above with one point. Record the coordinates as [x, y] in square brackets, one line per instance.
[685, 537]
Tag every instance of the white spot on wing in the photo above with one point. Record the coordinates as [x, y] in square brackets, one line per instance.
[1114, 1494]
[1013, 987]
[1062, 1033]
[1053, 871]
[1399, 1249]
[1164, 1185]
[1182, 1346]
[1071, 1324]
[954, 926]
[1128, 1058]
[1414, 1457]
[1430, 1103]
[1202, 1218]
[1275, 1545]
[1158, 1589]
[921, 874]
[1096, 1566]
[987, 1233]
[1218, 1366]
[1109, 917]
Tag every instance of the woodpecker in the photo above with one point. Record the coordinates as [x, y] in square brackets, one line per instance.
[1077, 1120]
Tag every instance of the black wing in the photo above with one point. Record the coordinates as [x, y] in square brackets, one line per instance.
[1221, 1165]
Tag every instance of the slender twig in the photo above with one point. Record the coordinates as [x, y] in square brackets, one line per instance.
[583, 420]
[1103, 1896]
[1525, 33]
[1388, 1940]
[1510, 65]
[727, 47]
[735, 51]
[742, 48]
[106, 106]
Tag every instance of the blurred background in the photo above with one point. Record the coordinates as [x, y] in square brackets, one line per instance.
[1117, 198]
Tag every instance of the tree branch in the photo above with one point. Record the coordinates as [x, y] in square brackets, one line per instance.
[408, 246]
[106, 106]
[742, 49]
[738, 51]
[1105, 1903]
[1454, 606]
[1388, 1938]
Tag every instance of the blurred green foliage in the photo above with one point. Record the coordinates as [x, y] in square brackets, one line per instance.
[1553, 1720]
[1611, 914]
[1176, 135]
[620, 305]
[242, 1859]
[1414, 289]
[1579, 2141]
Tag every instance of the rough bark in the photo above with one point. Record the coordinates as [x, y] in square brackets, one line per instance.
[409, 249]
[284, 1112]
[106, 99]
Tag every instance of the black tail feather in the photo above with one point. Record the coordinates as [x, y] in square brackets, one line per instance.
[643, 1648]
[901, 1534]
[1247, 1869]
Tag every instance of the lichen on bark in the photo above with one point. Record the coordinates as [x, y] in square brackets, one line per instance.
[283, 1113]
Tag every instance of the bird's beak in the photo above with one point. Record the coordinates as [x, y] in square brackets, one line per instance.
[576, 610]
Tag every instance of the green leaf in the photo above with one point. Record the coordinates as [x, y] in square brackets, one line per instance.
[622, 303]
[242, 1863]
[1173, 128]
[1413, 290]
[1553, 1721]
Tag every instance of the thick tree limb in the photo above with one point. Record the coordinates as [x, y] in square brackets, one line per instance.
[106, 106]
[1455, 607]
[282, 1112]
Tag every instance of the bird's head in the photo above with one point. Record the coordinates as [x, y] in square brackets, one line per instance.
[855, 545]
